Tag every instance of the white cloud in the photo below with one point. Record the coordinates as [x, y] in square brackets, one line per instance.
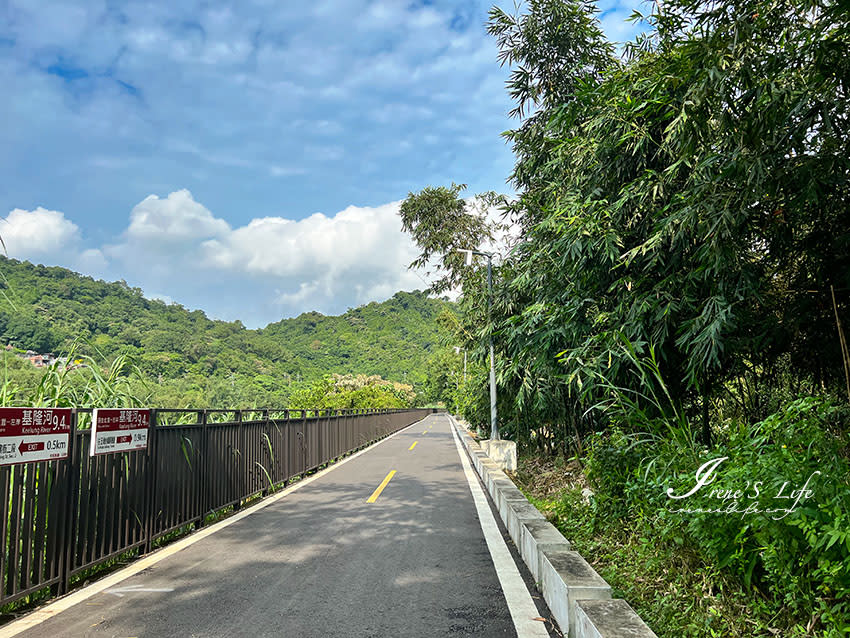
[176, 218]
[368, 237]
[297, 298]
[39, 233]
[269, 268]
[175, 248]
[359, 252]
[92, 261]
[163, 298]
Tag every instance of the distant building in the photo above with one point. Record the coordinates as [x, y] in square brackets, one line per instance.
[39, 360]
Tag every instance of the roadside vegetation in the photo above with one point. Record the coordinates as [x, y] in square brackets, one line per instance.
[675, 290]
[353, 391]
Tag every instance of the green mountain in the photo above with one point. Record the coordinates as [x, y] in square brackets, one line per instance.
[194, 358]
[393, 338]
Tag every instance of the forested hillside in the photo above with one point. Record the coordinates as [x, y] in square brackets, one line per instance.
[195, 360]
[393, 338]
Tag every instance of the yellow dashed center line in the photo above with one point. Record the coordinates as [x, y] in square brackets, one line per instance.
[412, 446]
[380, 488]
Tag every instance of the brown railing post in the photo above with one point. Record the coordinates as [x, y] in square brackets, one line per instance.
[66, 543]
[203, 461]
[150, 484]
[319, 427]
[287, 473]
[304, 451]
[267, 444]
[243, 456]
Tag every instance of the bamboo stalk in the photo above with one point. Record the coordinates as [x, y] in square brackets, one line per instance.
[845, 353]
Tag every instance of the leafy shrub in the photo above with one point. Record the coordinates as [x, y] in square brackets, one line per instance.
[472, 400]
[614, 468]
[799, 560]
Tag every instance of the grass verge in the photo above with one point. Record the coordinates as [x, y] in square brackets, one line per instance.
[673, 590]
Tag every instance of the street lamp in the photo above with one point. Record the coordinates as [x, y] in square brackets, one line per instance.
[494, 426]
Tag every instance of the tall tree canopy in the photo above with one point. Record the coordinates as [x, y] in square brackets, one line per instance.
[689, 196]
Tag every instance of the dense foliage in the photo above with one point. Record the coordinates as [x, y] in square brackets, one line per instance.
[353, 391]
[692, 196]
[789, 548]
[191, 360]
[681, 276]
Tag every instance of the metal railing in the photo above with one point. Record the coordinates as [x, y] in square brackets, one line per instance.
[63, 518]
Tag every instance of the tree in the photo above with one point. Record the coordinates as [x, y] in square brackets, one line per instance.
[349, 391]
[689, 199]
[692, 197]
[441, 223]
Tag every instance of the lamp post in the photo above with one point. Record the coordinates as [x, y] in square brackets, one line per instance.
[494, 426]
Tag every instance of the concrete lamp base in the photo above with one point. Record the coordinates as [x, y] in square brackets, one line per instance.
[502, 452]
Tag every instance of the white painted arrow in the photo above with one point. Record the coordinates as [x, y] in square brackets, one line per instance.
[132, 589]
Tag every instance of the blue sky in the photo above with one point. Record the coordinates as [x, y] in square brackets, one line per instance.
[245, 158]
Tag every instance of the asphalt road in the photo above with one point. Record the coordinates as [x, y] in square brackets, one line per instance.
[323, 561]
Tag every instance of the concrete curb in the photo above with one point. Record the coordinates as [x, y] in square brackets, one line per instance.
[578, 597]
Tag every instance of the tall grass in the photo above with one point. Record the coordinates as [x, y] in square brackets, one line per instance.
[78, 380]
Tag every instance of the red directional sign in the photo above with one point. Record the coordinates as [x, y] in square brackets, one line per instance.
[117, 430]
[34, 434]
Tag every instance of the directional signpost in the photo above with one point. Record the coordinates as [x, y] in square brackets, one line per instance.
[34, 434]
[116, 430]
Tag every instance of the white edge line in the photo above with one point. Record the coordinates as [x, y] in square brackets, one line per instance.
[38, 616]
[520, 604]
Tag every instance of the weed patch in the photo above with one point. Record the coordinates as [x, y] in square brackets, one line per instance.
[676, 591]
